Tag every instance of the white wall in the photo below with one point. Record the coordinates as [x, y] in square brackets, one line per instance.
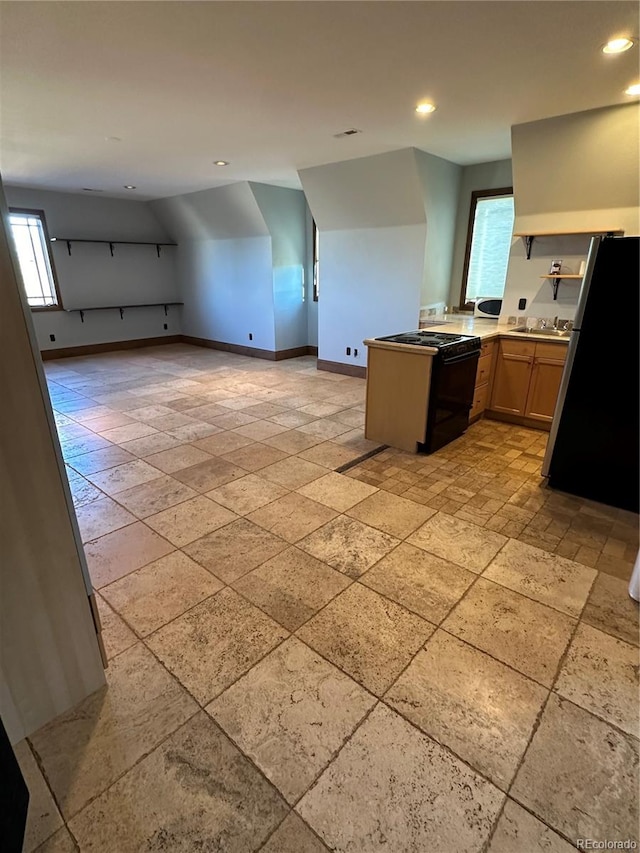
[242, 260]
[578, 171]
[368, 192]
[371, 216]
[572, 172]
[50, 658]
[480, 176]
[223, 213]
[91, 277]
[370, 286]
[312, 307]
[524, 282]
[441, 186]
[227, 290]
[285, 214]
[224, 264]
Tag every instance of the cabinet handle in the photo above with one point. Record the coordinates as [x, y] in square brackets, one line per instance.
[552, 361]
[512, 357]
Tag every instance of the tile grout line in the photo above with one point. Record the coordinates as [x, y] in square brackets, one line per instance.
[424, 645]
[538, 722]
[199, 709]
[141, 758]
[438, 625]
[41, 768]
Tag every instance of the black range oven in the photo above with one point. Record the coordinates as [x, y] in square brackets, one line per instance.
[453, 380]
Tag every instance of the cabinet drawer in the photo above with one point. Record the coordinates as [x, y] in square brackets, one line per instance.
[484, 369]
[555, 352]
[509, 346]
[487, 348]
[480, 398]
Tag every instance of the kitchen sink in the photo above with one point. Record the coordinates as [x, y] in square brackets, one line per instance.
[555, 333]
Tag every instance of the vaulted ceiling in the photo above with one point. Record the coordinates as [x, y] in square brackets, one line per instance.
[103, 94]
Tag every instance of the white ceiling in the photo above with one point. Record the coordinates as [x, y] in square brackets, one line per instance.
[266, 85]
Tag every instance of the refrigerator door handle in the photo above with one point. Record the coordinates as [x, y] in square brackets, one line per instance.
[586, 282]
[562, 393]
[571, 353]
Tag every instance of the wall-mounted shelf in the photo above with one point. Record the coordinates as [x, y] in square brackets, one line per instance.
[528, 237]
[556, 279]
[121, 308]
[110, 243]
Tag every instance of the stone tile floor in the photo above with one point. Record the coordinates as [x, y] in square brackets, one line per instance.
[434, 654]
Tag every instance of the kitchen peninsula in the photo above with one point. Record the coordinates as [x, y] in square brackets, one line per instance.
[398, 385]
[420, 388]
[515, 377]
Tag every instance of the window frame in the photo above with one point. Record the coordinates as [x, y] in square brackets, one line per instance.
[476, 195]
[315, 260]
[28, 211]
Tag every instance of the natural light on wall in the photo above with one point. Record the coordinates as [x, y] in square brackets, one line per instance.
[30, 240]
[490, 244]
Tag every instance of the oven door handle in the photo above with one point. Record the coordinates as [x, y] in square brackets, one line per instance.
[462, 357]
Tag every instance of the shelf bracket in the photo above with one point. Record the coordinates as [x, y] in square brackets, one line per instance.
[81, 316]
[166, 312]
[69, 246]
[121, 310]
[528, 245]
[111, 248]
[554, 284]
[158, 249]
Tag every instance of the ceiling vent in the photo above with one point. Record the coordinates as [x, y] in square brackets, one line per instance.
[349, 132]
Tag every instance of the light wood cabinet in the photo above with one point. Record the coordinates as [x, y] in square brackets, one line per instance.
[398, 385]
[512, 376]
[483, 379]
[548, 365]
[527, 380]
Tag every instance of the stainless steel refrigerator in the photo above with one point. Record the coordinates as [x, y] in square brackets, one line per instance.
[593, 443]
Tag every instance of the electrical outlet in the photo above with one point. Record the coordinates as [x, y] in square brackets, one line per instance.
[250, 336]
[52, 337]
[166, 327]
[522, 304]
[355, 352]
[348, 350]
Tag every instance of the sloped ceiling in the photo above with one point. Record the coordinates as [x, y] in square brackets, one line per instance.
[267, 85]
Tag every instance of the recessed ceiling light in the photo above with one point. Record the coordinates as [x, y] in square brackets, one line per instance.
[618, 45]
[633, 90]
[220, 162]
[113, 139]
[129, 187]
[425, 108]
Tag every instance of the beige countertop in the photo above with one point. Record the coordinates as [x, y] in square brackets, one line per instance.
[461, 324]
[392, 345]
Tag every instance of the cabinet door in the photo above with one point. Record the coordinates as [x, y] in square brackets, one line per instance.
[544, 387]
[511, 380]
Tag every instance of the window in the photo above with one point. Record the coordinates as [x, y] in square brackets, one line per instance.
[488, 245]
[316, 262]
[32, 245]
